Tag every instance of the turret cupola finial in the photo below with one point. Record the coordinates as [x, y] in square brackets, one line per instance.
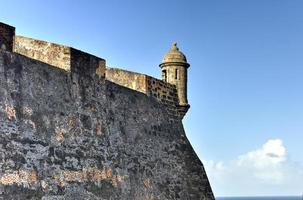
[174, 47]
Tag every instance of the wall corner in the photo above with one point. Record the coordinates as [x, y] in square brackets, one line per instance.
[7, 35]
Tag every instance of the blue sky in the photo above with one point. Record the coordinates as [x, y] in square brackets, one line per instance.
[245, 80]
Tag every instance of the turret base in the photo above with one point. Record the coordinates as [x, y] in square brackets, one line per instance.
[182, 110]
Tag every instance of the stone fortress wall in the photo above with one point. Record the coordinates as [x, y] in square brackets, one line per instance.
[161, 91]
[53, 54]
[68, 133]
[69, 59]
[7, 34]
[61, 56]
[132, 80]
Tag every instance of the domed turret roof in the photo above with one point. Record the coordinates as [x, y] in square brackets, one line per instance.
[174, 55]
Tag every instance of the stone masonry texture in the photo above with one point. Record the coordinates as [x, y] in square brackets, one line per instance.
[7, 34]
[173, 96]
[72, 128]
[60, 56]
[164, 92]
[74, 135]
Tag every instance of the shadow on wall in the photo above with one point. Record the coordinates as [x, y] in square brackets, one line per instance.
[7, 34]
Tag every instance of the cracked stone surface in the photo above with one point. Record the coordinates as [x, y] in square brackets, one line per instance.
[66, 135]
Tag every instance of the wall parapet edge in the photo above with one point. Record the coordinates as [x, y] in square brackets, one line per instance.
[61, 56]
[165, 93]
[85, 64]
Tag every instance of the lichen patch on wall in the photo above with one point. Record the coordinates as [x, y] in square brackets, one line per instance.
[10, 112]
[19, 177]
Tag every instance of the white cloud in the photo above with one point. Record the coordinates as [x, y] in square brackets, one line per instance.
[267, 162]
[264, 171]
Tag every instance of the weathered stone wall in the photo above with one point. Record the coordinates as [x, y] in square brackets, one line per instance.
[77, 136]
[155, 88]
[166, 94]
[73, 60]
[7, 34]
[84, 63]
[63, 57]
[53, 54]
[162, 91]
[132, 80]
